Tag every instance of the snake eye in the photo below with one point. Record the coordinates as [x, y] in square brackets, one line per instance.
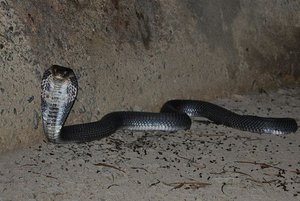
[54, 71]
[65, 73]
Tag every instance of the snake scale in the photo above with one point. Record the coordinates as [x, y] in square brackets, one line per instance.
[59, 90]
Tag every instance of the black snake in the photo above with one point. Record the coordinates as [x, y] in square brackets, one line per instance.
[59, 91]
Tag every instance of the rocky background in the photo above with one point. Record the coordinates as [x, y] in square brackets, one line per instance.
[136, 54]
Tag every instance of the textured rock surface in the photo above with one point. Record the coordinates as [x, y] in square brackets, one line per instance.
[136, 54]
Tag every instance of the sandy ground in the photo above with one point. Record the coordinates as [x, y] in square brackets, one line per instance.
[208, 162]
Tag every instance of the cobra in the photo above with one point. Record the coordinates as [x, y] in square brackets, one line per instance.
[59, 90]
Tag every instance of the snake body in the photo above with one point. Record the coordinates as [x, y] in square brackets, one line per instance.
[59, 91]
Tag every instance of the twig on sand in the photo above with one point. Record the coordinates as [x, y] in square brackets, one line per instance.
[262, 165]
[188, 184]
[110, 166]
[222, 187]
[45, 175]
[112, 186]
[262, 182]
[229, 171]
[154, 184]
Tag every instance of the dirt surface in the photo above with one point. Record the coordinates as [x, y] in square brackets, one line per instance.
[208, 162]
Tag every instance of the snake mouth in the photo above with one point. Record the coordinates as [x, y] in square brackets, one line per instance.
[60, 72]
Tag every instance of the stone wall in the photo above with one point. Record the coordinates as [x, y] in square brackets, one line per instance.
[136, 54]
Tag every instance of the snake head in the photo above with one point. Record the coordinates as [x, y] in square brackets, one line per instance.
[60, 72]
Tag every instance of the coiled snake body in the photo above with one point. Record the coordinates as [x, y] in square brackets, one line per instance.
[59, 90]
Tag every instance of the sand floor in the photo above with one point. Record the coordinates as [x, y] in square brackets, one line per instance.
[208, 162]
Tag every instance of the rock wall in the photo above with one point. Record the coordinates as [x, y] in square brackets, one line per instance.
[136, 54]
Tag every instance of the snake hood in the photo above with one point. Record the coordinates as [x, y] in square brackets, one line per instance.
[59, 90]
